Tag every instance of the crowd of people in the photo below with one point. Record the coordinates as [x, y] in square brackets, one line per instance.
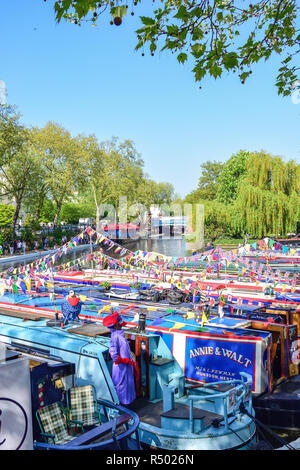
[21, 247]
[13, 247]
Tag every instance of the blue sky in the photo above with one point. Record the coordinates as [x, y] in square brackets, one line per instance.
[90, 80]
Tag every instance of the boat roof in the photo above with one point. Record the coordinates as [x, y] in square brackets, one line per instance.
[55, 337]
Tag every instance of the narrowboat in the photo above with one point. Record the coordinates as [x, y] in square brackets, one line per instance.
[172, 415]
[267, 327]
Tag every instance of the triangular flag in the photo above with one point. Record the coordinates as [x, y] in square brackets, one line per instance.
[28, 284]
[190, 315]
[204, 319]
[23, 286]
[177, 326]
[15, 288]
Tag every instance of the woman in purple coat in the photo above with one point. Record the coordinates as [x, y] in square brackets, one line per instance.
[122, 370]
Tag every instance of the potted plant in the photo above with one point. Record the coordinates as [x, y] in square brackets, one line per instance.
[136, 286]
[105, 284]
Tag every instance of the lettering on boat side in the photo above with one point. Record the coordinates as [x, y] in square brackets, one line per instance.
[89, 353]
[220, 352]
[219, 360]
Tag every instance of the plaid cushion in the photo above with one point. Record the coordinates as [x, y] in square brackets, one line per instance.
[52, 420]
[82, 405]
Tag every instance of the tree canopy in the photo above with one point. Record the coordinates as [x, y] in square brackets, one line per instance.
[51, 175]
[215, 36]
[268, 200]
[257, 193]
[230, 177]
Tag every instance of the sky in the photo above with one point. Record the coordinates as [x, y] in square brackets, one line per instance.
[92, 81]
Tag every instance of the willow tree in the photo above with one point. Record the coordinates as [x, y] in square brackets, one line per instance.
[232, 171]
[268, 201]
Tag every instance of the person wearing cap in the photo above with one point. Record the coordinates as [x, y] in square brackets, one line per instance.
[71, 307]
[123, 366]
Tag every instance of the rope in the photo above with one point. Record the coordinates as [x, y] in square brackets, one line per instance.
[263, 426]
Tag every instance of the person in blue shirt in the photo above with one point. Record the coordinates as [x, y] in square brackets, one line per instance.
[71, 307]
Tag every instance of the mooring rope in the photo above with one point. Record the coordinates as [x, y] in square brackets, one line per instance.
[263, 426]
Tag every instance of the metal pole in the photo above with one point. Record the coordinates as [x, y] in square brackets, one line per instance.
[191, 417]
[91, 251]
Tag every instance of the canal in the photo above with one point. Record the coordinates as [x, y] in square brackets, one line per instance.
[169, 247]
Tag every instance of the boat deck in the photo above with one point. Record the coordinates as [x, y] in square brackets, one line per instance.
[151, 413]
[23, 315]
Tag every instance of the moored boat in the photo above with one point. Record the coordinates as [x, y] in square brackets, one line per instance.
[172, 416]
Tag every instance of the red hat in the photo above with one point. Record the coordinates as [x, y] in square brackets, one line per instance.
[112, 320]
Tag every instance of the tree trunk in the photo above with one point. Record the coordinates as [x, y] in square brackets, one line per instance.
[57, 215]
[38, 209]
[15, 217]
[97, 210]
[98, 218]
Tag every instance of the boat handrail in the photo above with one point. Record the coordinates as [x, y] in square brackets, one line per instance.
[220, 395]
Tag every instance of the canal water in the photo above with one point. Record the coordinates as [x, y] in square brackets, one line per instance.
[165, 246]
[169, 247]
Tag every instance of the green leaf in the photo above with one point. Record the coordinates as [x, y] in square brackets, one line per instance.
[147, 21]
[182, 57]
[152, 46]
[172, 44]
[215, 71]
[230, 60]
[182, 13]
[198, 49]
[200, 72]
[244, 75]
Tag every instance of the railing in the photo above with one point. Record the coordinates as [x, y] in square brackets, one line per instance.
[114, 441]
[222, 396]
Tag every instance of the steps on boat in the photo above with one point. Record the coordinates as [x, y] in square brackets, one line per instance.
[178, 418]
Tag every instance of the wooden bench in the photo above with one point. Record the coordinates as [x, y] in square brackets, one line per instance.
[98, 431]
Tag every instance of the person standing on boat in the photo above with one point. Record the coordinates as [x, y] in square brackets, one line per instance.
[123, 365]
[71, 307]
[209, 247]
